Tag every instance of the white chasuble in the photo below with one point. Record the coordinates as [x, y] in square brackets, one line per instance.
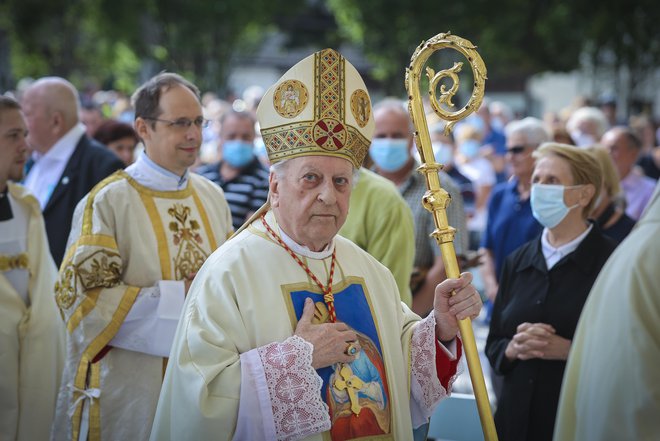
[238, 372]
[116, 290]
[31, 329]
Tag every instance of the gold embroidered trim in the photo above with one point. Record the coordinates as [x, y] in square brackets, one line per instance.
[95, 405]
[97, 240]
[97, 344]
[293, 140]
[89, 206]
[87, 304]
[161, 238]
[101, 269]
[18, 261]
[205, 221]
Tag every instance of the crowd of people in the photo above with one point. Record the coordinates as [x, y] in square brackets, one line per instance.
[264, 269]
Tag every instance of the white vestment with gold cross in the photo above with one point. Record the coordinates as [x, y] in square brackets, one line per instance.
[31, 328]
[238, 372]
[136, 236]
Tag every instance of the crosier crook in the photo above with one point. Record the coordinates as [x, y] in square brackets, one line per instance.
[436, 199]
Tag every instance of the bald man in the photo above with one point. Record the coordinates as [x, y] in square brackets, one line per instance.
[67, 163]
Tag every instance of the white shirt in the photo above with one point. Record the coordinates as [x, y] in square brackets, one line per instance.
[48, 168]
[146, 172]
[553, 255]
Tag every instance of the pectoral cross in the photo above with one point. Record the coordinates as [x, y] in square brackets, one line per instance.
[351, 384]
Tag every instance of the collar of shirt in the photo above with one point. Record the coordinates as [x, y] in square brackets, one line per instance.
[303, 250]
[146, 172]
[49, 167]
[411, 179]
[62, 150]
[553, 255]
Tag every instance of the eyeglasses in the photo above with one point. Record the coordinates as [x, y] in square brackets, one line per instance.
[182, 123]
[516, 150]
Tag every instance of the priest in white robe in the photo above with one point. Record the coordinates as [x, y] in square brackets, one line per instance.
[611, 388]
[138, 239]
[290, 331]
[31, 330]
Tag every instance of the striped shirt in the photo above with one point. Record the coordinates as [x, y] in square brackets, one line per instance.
[245, 193]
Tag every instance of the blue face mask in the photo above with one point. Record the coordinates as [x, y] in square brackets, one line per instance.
[389, 154]
[444, 153]
[237, 153]
[470, 148]
[548, 205]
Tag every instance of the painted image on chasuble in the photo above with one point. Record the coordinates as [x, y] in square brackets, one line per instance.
[356, 393]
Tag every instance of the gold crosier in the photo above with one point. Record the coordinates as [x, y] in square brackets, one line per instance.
[436, 199]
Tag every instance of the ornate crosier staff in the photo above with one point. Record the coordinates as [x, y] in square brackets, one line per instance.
[436, 198]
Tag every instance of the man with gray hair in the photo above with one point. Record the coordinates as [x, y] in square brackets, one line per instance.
[624, 147]
[510, 221]
[587, 125]
[66, 162]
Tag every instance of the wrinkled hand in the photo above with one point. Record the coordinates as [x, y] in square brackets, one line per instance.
[187, 281]
[329, 339]
[537, 340]
[449, 309]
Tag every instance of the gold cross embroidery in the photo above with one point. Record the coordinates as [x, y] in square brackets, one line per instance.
[351, 384]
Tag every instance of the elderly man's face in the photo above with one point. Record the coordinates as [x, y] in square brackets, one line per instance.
[623, 155]
[311, 198]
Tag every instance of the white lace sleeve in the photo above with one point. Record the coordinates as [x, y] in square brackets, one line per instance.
[280, 393]
[425, 389]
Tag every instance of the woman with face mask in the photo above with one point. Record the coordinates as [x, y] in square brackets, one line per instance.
[543, 287]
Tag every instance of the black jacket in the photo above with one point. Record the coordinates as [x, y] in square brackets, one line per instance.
[90, 163]
[528, 292]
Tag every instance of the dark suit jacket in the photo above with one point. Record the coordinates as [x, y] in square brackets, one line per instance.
[90, 163]
[528, 292]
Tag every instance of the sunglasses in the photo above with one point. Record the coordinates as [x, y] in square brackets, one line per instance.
[516, 150]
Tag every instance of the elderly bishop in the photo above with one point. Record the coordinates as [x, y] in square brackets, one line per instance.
[291, 331]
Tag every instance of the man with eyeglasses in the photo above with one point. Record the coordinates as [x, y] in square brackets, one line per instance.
[138, 239]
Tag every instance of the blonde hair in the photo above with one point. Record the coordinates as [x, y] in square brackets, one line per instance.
[584, 167]
[610, 175]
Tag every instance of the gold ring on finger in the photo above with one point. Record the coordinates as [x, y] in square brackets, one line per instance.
[351, 349]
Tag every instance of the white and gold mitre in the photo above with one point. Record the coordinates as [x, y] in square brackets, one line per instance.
[319, 107]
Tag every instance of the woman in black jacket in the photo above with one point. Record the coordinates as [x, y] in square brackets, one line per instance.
[543, 287]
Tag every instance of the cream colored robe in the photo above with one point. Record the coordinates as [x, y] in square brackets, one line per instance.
[126, 237]
[241, 300]
[31, 338]
[611, 388]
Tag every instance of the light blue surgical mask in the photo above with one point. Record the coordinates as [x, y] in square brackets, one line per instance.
[548, 206]
[470, 148]
[237, 153]
[389, 154]
[444, 153]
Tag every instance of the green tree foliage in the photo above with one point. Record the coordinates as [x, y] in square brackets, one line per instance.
[514, 36]
[120, 43]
